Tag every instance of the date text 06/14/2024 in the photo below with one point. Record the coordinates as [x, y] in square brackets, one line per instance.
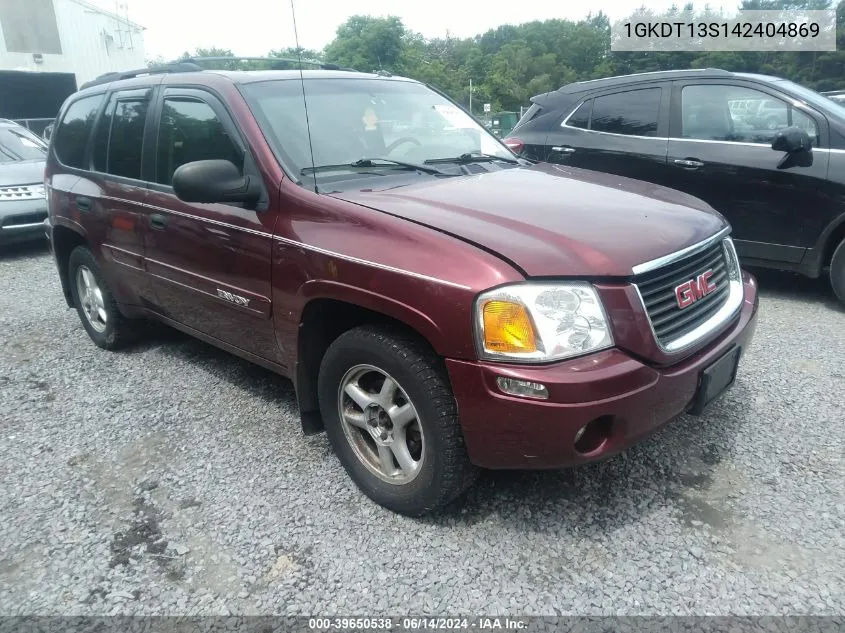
[416, 624]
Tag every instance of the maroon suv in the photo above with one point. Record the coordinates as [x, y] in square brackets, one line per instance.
[439, 304]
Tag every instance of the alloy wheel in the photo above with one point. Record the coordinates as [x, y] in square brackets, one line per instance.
[381, 424]
[91, 299]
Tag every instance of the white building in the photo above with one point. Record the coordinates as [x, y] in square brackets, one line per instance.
[68, 36]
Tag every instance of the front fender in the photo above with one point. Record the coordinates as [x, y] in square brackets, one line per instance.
[380, 303]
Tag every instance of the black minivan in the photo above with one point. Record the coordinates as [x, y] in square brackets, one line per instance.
[767, 153]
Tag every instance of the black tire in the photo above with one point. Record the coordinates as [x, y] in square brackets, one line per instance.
[118, 330]
[837, 271]
[445, 470]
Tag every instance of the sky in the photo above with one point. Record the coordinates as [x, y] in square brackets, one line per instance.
[253, 27]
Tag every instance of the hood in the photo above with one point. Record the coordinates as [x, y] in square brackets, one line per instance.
[25, 172]
[551, 220]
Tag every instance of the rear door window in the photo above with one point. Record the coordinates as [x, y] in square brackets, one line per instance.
[71, 137]
[633, 113]
[126, 140]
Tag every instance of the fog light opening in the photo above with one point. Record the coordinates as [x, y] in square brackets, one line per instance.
[593, 436]
[522, 388]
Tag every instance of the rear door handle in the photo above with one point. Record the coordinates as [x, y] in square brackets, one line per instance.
[158, 221]
[563, 149]
[688, 163]
[83, 204]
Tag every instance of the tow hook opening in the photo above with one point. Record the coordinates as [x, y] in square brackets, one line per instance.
[593, 436]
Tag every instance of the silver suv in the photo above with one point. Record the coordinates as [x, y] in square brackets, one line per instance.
[23, 205]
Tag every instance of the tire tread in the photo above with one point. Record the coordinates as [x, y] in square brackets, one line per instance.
[123, 330]
[429, 372]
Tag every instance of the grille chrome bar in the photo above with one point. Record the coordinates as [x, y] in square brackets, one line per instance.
[22, 192]
[21, 227]
[654, 264]
[675, 329]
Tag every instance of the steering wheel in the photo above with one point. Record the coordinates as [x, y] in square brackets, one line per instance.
[401, 141]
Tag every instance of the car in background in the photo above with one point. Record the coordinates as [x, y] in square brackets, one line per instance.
[48, 132]
[767, 153]
[835, 95]
[23, 205]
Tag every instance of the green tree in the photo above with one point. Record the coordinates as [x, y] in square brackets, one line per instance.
[510, 64]
[368, 44]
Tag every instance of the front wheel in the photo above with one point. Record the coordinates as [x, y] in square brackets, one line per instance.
[391, 417]
[837, 271]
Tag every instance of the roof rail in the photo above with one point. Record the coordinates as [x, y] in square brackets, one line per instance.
[680, 71]
[190, 65]
[175, 67]
[271, 60]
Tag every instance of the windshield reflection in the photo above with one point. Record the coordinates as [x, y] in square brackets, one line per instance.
[351, 119]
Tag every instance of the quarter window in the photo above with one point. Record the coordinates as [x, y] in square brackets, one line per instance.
[735, 113]
[71, 136]
[581, 117]
[631, 113]
[190, 131]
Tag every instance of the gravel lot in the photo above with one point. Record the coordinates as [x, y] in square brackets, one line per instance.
[173, 478]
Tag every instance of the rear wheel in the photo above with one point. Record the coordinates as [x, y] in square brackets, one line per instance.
[837, 271]
[391, 417]
[94, 302]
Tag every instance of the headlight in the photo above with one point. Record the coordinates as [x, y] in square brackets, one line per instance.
[540, 322]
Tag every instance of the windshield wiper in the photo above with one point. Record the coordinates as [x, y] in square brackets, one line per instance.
[372, 162]
[472, 157]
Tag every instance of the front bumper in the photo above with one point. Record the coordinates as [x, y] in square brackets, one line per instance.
[22, 221]
[630, 398]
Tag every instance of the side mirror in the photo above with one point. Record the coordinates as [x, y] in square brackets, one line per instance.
[792, 140]
[214, 181]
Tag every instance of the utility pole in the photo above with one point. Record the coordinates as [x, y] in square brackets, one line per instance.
[470, 95]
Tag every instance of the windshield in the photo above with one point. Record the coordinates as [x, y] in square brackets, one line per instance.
[351, 119]
[17, 145]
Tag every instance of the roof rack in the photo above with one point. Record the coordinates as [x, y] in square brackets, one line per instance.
[634, 76]
[271, 60]
[190, 65]
[175, 67]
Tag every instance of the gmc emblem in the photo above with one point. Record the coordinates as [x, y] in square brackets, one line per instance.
[691, 291]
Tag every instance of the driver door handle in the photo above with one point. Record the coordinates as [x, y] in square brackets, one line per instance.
[563, 149]
[158, 221]
[688, 163]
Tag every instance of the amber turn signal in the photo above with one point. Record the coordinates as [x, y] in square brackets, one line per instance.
[508, 327]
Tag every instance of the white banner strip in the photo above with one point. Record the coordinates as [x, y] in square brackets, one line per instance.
[743, 31]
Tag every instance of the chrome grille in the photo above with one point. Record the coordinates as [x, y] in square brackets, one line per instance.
[675, 327]
[23, 219]
[22, 192]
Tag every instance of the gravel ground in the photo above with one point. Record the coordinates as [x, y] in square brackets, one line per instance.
[173, 478]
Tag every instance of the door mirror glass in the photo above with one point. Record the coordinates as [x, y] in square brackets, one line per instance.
[792, 140]
[214, 181]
